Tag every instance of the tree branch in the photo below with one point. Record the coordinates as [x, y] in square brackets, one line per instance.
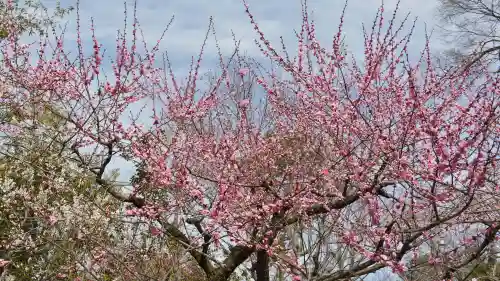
[206, 237]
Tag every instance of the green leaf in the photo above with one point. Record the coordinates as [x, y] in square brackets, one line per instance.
[3, 33]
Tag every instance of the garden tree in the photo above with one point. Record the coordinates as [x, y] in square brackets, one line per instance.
[47, 228]
[29, 16]
[390, 155]
[472, 28]
[26, 18]
[21, 237]
[50, 231]
[311, 242]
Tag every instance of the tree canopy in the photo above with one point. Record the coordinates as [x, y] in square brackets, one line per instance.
[334, 171]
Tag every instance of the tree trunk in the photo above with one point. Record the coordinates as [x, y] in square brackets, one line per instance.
[262, 266]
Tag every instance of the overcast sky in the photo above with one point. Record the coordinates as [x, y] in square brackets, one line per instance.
[276, 17]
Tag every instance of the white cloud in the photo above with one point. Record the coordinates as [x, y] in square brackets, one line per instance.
[277, 17]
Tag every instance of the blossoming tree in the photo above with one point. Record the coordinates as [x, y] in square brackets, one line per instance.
[378, 156]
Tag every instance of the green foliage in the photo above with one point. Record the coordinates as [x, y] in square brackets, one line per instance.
[3, 33]
[30, 16]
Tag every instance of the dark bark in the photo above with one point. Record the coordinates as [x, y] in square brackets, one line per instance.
[262, 266]
[236, 257]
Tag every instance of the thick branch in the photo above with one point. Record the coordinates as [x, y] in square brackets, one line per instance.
[488, 239]
[477, 57]
[206, 238]
[262, 266]
[337, 204]
[238, 254]
[371, 265]
[138, 202]
[200, 258]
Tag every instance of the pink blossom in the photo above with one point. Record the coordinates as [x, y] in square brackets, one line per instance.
[243, 71]
[214, 213]
[244, 103]
[52, 220]
[130, 212]
[3, 263]
[216, 238]
[253, 174]
[155, 231]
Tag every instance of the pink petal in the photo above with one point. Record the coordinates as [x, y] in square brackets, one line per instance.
[52, 220]
[155, 231]
[3, 263]
[244, 103]
[243, 71]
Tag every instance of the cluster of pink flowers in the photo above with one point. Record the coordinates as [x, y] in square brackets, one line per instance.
[381, 149]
